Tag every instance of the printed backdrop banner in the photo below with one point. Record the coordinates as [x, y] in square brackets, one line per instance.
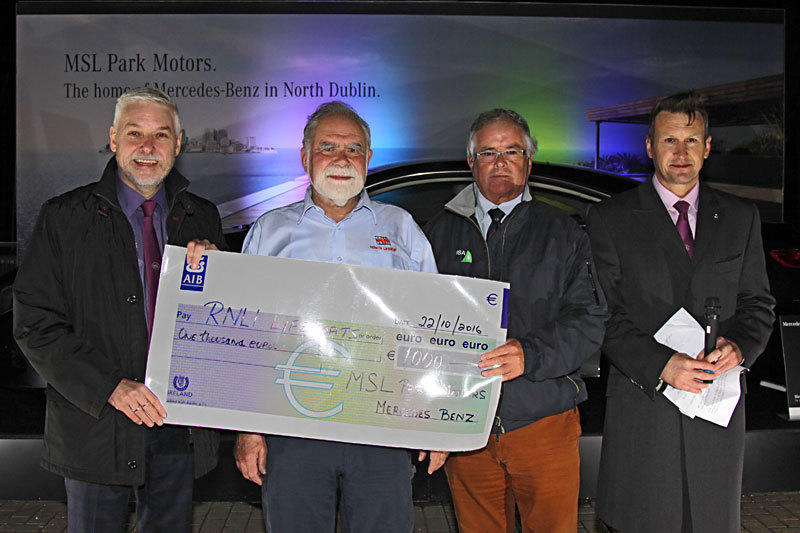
[245, 84]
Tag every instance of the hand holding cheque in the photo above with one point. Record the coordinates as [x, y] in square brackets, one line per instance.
[380, 356]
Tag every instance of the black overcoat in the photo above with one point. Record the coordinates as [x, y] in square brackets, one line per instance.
[79, 318]
[651, 452]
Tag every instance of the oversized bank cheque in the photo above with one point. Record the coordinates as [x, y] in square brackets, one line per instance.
[326, 351]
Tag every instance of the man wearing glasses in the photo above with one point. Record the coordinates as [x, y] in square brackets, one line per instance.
[337, 223]
[494, 229]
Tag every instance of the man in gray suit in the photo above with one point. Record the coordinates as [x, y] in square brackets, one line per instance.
[670, 243]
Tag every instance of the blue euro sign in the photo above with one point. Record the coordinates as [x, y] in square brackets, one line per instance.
[288, 381]
[492, 299]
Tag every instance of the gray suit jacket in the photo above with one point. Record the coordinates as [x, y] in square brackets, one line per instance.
[652, 455]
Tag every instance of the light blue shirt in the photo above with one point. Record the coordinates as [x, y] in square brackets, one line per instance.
[483, 206]
[373, 234]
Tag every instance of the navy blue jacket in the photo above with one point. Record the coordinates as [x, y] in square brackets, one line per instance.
[556, 311]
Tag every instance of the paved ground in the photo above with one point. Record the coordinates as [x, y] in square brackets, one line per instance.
[761, 513]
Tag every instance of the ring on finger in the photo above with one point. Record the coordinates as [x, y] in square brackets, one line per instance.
[135, 409]
[144, 405]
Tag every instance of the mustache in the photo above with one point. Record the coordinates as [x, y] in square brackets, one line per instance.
[151, 157]
[348, 171]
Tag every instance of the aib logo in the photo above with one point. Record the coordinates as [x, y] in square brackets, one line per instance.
[288, 381]
[181, 383]
[193, 280]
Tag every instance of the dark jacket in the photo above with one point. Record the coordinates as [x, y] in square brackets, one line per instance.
[79, 318]
[556, 312]
[656, 471]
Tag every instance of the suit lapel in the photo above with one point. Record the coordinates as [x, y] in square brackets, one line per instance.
[709, 214]
[659, 227]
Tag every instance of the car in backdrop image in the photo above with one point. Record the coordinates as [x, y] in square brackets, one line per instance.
[423, 188]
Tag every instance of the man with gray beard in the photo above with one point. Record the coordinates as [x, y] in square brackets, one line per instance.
[337, 223]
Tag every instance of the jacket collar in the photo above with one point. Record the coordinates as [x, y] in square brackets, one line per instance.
[654, 216]
[464, 202]
[106, 188]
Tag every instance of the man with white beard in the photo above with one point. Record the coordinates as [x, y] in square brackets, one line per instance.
[337, 223]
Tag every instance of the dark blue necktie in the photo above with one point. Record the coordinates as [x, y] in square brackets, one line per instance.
[497, 215]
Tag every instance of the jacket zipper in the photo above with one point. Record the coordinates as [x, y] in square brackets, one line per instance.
[499, 423]
[497, 420]
[577, 391]
[591, 280]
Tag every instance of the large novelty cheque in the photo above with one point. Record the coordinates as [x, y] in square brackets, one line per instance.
[326, 351]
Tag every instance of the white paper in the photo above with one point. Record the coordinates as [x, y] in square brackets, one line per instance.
[717, 402]
[326, 351]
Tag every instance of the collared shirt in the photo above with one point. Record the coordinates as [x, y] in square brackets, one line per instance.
[669, 198]
[131, 203]
[373, 234]
[483, 206]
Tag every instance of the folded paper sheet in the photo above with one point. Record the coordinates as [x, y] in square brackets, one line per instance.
[717, 402]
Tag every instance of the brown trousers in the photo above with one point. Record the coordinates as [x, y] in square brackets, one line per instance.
[537, 466]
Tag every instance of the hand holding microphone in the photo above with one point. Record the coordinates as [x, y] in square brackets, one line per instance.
[712, 326]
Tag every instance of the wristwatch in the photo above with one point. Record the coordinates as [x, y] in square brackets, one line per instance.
[661, 385]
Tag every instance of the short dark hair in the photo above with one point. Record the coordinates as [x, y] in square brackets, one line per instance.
[501, 115]
[689, 103]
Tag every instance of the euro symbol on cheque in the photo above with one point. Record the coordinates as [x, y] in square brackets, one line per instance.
[288, 381]
[492, 299]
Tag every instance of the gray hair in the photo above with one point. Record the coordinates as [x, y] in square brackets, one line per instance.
[501, 115]
[147, 94]
[334, 108]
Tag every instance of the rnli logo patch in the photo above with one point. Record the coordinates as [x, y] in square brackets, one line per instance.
[383, 243]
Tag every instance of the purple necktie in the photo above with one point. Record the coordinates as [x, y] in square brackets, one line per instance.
[497, 215]
[683, 226]
[152, 261]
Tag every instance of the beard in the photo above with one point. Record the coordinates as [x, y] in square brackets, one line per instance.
[339, 192]
[147, 179]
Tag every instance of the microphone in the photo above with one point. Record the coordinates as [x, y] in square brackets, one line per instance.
[712, 324]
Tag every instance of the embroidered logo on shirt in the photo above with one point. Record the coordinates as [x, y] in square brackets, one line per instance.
[383, 243]
[466, 256]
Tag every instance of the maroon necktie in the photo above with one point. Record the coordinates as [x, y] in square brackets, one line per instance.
[683, 226]
[152, 261]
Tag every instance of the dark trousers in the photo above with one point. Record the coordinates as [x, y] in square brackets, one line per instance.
[303, 477]
[163, 503]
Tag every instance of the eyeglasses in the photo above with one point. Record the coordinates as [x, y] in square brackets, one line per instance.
[351, 151]
[490, 156]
